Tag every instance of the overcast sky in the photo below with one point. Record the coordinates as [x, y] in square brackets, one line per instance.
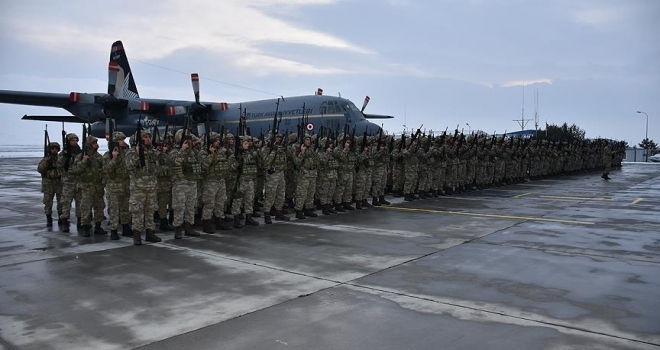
[434, 62]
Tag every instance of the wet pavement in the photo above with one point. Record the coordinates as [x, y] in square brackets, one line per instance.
[565, 263]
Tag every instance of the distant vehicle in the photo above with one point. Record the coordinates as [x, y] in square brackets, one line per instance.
[655, 158]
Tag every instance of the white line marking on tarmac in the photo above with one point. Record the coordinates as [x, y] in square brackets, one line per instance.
[637, 201]
[359, 229]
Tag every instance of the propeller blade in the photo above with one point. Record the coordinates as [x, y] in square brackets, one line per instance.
[366, 102]
[195, 84]
[113, 70]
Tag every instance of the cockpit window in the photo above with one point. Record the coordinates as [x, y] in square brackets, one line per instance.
[351, 106]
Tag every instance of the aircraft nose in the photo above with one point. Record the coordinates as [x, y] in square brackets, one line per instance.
[367, 126]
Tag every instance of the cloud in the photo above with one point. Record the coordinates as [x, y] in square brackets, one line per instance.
[600, 15]
[527, 82]
[237, 29]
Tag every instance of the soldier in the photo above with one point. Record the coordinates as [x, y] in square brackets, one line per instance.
[347, 159]
[164, 193]
[114, 167]
[216, 162]
[51, 183]
[411, 167]
[142, 165]
[244, 191]
[89, 167]
[306, 160]
[607, 160]
[186, 170]
[70, 190]
[275, 158]
[327, 174]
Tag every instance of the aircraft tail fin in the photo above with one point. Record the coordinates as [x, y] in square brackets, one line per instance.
[120, 80]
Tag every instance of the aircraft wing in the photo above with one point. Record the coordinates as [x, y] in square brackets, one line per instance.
[44, 99]
[55, 118]
[377, 116]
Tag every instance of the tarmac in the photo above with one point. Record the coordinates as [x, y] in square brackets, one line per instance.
[559, 263]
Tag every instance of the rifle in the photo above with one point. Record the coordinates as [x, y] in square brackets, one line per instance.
[138, 141]
[352, 138]
[207, 135]
[84, 140]
[111, 141]
[403, 142]
[275, 123]
[46, 142]
[66, 148]
[363, 144]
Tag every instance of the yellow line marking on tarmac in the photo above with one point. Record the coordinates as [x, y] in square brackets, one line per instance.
[637, 201]
[576, 198]
[493, 215]
[522, 195]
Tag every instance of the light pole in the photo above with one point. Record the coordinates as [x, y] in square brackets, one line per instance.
[469, 128]
[646, 153]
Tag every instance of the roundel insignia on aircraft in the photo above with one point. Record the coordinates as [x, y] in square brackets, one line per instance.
[310, 126]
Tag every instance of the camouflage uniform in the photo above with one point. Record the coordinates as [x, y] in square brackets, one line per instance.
[275, 159]
[186, 171]
[164, 192]
[411, 168]
[70, 189]
[244, 195]
[51, 183]
[606, 160]
[117, 187]
[216, 164]
[346, 174]
[306, 160]
[143, 188]
[328, 166]
[89, 167]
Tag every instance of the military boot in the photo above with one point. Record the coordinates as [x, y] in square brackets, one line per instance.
[65, 225]
[375, 202]
[126, 230]
[300, 215]
[222, 225]
[326, 209]
[311, 213]
[165, 225]
[188, 230]
[382, 200]
[49, 220]
[114, 235]
[365, 204]
[279, 216]
[249, 221]
[422, 195]
[208, 226]
[85, 230]
[137, 238]
[358, 205]
[407, 197]
[98, 230]
[237, 222]
[78, 223]
[151, 237]
[331, 209]
[339, 208]
[178, 232]
[267, 219]
[255, 215]
[347, 206]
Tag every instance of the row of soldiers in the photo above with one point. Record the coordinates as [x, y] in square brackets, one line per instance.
[223, 181]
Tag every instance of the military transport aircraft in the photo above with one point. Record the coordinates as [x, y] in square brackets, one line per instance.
[123, 107]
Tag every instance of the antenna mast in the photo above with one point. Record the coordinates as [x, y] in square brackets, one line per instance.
[522, 121]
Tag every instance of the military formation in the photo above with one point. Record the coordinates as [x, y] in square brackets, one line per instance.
[222, 182]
